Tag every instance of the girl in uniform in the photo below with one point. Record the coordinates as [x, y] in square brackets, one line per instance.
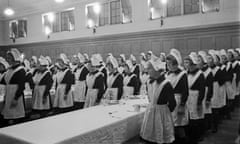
[80, 73]
[179, 82]
[114, 80]
[121, 63]
[42, 80]
[14, 80]
[94, 82]
[136, 70]
[130, 81]
[158, 126]
[202, 65]
[213, 63]
[196, 85]
[63, 99]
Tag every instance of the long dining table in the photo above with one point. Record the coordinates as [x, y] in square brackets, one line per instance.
[102, 124]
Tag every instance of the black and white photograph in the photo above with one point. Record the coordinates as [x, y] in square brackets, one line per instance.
[119, 71]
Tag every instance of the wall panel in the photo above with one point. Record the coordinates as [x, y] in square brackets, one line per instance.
[186, 40]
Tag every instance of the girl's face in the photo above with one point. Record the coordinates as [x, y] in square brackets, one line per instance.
[10, 59]
[170, 65]
[110, 67]
[126, 68]
[187, 64]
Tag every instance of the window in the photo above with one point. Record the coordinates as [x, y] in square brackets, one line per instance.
[111, 12]
[191, 6]
[115, 14]
[18, 29]
[173, 8]
[59, 21]
[67, 21]
[156, 9]
[104, 15]
[210, 5]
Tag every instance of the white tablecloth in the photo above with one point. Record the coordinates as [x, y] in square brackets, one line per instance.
[100, 124]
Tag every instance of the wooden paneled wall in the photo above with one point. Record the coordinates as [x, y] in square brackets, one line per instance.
[189, 39]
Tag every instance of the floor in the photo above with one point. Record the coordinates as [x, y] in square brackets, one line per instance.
[226, 134]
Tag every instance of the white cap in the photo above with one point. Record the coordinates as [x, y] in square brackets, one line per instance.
[213, 54]
[16, 54]
[129, 64]
[203, 54]
[194, 57]
[157, 63]
[27, 64]
[113, 61]
[133, 58]
[238, 49]
[150, 52]
[86, 56]
[99, 57]
[143, 55]
[177, 55]
[233, 52]
[4, 62]
[223, 52]
[49, 59]
[123, 57]
[81, 58]
[64, 58]
[43, 61]
[95, 60]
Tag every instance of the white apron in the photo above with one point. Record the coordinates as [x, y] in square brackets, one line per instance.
[92, 93]
[18, 111]
[179, 120]
[206, 108]
[59, 100]
[111, 93]
[144, 79]
[2, 88]
[192, 102]
[127, 90]
[38, 93]
[79, 89]
[216, 97]
[157, 124]
[229, 87]
[234, 84]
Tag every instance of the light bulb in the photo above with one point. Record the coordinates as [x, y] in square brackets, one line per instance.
[9, 11]
[59, 1]
[90, 23]
[97, 8]
[164, 1]
[51, 17]
[47, 30]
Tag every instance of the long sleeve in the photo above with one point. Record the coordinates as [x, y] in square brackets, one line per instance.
[19, 78]
[167, 97]
[199, 85]
[83, 74]
[48, 82]
[69, 80]
[99, 84]
[134, 83]
[118, 83]
[220, 77]
[182, 88]
[209, 85]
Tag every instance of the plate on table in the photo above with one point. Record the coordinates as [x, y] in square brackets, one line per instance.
[133, 97]
[113, 102]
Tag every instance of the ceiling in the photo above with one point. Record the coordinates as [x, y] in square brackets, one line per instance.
[26, 7]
